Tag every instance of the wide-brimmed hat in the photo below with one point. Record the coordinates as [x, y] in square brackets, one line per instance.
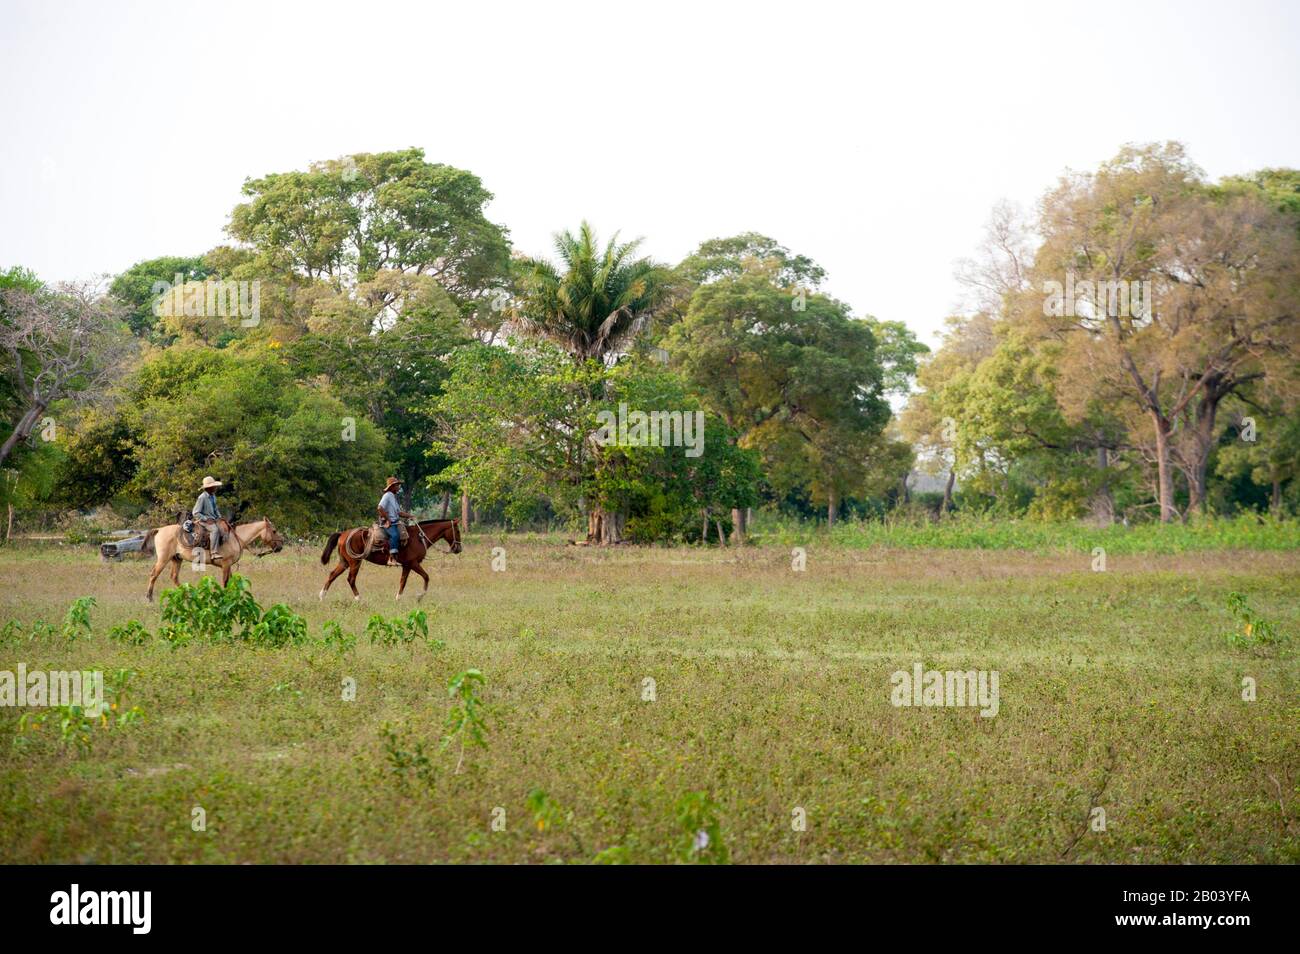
[209, 482]
[392, 482]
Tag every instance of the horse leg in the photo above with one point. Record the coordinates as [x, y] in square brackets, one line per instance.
[406, 571]
[157, 572]
[225, 573]
[352, 580]
[425, 576]
[334, 575]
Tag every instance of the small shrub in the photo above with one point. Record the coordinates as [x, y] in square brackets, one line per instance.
[403, 762]
[76, 624]
[334, 636]
[279, 626]
[702, 843]
[207, 610]
[391, 632]
[1255, 629]
[466, 724]
[131, 632]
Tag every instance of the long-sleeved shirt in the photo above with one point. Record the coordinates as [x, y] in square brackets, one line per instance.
[205, 508]
[388, 504]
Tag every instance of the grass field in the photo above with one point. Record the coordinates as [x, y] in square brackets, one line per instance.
[772, 694]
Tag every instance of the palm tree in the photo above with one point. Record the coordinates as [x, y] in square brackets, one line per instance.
[597, 304]
[592, 309]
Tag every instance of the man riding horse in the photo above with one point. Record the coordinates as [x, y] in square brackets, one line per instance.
[206, 514]
[390, 517]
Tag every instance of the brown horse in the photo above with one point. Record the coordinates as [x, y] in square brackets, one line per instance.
[170, 547]
[351, 545]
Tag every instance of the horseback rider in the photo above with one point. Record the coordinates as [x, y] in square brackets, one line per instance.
[205, 512]
[390, 516]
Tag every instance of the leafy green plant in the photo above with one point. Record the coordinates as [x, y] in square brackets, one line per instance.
[403, 762]
[75, 727]
[12, 633]
[697, 816]
[549, 816]
[132, 632]
[29, 723]
[76, 624]
[391, 632]
[279, 626]
[333, 635]
[175, 636]
[117, 712]
[546, 813]
[1255, 629]
[465, 724]
[207, 610]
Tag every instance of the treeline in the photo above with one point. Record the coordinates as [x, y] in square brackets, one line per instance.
[368, 318]
[1133, 349]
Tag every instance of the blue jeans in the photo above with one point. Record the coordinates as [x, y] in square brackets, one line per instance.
[394, 538]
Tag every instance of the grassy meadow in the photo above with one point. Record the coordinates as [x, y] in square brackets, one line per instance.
[771, 699]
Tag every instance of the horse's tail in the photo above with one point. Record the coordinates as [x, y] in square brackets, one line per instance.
[329, 547]
[146, 545]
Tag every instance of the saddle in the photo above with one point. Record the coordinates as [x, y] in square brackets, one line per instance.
[377, 537]
[194, 535]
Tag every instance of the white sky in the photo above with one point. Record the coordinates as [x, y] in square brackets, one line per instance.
[875, 139]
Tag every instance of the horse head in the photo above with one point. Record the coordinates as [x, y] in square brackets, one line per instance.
[271, 537]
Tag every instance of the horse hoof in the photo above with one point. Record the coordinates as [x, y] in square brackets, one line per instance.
[320, 595]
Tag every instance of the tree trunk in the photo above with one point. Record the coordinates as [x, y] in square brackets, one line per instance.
[1202, 444]
[22, 431]
[722, 541]
[946, 504]
[464, 511]
[1103, 502]
[832, 508]
[704, 530]
[9, 528]
[1164, 469]
[739, 526]
[446, 503]
[1274, 505]
[605, 527]
[907, 491]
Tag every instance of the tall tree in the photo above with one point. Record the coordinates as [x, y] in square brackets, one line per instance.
[793, 374]
[346, 220]
[66, 342]
[1215, 278]
[592, 306]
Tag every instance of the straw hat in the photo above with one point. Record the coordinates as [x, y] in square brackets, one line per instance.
[209, 482]
[392, 482]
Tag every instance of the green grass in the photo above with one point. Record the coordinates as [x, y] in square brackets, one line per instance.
[974, 532]
[772, 694]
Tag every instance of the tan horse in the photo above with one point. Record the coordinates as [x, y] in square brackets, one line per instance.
[166, 543]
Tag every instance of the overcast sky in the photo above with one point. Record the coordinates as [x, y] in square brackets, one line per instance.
[874, 139]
